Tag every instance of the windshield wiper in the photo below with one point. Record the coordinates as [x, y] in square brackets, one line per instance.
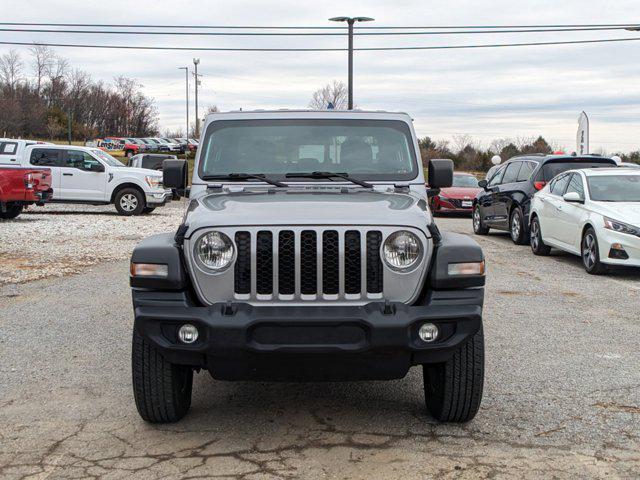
[245, 176]
[344, 176]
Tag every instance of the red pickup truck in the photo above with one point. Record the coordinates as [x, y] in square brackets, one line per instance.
[22, 186]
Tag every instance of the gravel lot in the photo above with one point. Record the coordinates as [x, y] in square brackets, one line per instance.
[562, 396]
[57, 240]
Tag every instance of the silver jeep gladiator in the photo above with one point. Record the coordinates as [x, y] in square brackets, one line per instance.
[308, 253]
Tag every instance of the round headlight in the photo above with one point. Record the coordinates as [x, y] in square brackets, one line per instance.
[215, 250]
[402, 250]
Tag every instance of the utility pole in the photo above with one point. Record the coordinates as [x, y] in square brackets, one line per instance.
[186, 77]
[350, 21]
[69, 125]
[196, 61]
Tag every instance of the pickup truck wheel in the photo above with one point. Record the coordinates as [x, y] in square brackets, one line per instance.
[129, 201]
[161, 389]
[12, 211]
[453, 390]
[147, 210]
[478, 225]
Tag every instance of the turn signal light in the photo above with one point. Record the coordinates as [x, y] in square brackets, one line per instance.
[149, 270]
[471, 268]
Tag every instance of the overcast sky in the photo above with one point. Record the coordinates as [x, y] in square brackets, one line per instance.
[485, 93]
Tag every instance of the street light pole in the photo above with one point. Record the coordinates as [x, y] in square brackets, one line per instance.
[186, 77]
[350, 22]
[196, 61]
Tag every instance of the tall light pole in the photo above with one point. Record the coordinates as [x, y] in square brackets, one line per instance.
[350, 21]
[196, 61]
[186, 77]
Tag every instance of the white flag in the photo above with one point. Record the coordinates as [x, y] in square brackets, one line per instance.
[582, 137]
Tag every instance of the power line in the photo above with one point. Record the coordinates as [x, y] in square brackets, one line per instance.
[256, 49]
[368, 27]
[309, 34]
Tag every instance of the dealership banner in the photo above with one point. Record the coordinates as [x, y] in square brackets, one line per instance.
[582, 137]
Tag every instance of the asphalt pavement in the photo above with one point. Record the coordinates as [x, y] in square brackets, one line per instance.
[561, 399]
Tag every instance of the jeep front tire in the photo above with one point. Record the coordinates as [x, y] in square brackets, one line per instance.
[161, 389]
[453, 390]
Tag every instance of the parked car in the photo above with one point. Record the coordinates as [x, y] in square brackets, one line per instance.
[166, 146]
[150, 146]
[92, 176]
[22, 186]
[459, 197]
[289, 265]
[182, 147]
[142, 147]
[190, 143]
[151, 161]
[11, 149]
[591, 213]
[129, 147]
[505, 201]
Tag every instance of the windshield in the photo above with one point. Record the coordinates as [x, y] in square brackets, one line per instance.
[106, 158]
[465, 181]
[614, 188]
[554, 168]
[368, 149]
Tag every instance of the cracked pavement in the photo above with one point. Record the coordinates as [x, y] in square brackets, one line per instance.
[562, 392]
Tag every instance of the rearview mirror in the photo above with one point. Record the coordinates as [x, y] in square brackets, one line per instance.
[572, 197]
[483, 184]
[174, 175]
[440, 173]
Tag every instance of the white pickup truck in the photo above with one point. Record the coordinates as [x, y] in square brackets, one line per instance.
[92, 176]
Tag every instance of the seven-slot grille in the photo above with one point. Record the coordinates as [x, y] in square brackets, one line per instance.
[307, 263]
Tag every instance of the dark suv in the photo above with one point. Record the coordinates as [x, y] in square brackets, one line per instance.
[504, 204]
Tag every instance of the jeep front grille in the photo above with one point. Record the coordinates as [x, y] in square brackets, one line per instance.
[286, 263]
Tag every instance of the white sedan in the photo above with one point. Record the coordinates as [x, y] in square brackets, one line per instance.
[594, 213]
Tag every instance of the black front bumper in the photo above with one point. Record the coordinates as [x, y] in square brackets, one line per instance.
[375, 341]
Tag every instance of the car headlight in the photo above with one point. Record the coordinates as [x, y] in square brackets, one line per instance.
[402, 250]
[153, 182]
[215, 250]
[620, 227]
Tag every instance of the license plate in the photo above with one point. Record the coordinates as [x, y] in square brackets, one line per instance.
[467, 203]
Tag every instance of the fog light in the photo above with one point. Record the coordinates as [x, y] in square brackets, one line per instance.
[188, 333]
[428, 332]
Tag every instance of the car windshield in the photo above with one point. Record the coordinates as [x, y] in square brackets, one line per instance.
[366, 149]
[554, 168]
[106, 158]
[614, 188]
[464, 181]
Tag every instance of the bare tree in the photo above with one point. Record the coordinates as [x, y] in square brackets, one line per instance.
[460, 142]
[42, 63]
[10, 69]
[54, 129]
[331, 94]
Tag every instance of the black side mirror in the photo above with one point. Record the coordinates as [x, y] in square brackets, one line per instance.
[440, 173]
[483, 184]
[174, 175]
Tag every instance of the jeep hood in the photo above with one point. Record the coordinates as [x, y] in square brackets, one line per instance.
[291, 207]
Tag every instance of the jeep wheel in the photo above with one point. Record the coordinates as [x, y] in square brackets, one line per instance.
[161, 389]
[478, 225]
[129, 201]
[591, 253]
[147, 210]
[516, 227]
[12, 211]
[453, 390]
[538, 247]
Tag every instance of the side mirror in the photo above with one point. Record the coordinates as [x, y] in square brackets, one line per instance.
[440, 173]
[483, 184]
[96, 167]
[496, 159]
[174, 175]
[572, 197]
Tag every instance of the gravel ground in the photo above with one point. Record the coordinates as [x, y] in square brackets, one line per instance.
[562, 395]
[57, 240]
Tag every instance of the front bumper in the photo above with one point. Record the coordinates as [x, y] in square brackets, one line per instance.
[374, 341]
[158, 198]
[630, 244]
